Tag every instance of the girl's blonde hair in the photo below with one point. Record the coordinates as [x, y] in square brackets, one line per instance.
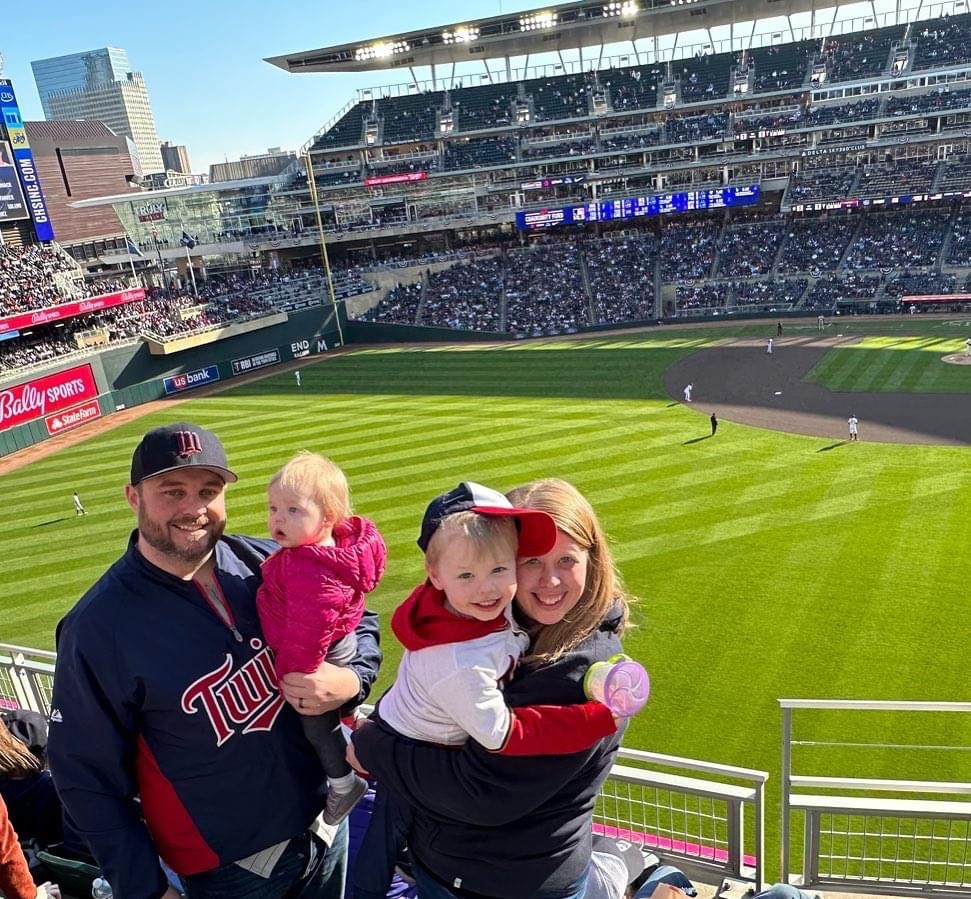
[492, 537]
[16, 760]
[313, 475]
[575, 517]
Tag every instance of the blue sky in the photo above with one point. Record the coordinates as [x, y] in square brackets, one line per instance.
[203, 61]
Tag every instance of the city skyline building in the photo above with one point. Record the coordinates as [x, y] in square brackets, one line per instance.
[78, 71]
[175, 158]
[123, 106]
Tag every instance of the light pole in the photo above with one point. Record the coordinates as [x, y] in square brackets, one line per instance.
[323, 243]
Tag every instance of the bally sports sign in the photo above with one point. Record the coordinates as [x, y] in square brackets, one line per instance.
[44, 396]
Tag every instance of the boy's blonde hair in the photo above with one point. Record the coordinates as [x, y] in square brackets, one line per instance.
[313, 475]
[575, 517]
[16, 760]
[491, 536]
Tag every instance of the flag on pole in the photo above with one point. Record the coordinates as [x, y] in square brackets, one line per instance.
[188, 241]
[132, 249]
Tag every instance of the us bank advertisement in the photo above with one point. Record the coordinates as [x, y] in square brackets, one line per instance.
[23, 162]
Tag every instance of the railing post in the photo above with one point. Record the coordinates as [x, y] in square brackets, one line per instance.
[735, 819]
[784, 823]
[810, 851]
[759, 837]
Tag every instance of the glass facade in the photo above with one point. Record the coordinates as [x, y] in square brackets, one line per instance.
[78, 71]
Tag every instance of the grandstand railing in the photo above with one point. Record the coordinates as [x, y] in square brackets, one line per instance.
[26, 678]
[649, 799]
[858, 836]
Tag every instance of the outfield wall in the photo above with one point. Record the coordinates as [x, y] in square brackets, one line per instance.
[68, 394]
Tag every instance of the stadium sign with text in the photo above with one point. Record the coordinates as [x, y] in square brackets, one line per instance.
[405, 178]
[23, 160]
[301, 348]
[251, 363]
[65, 421]
[150, 212]
[12, 205]
[47, 395]
[191, 379]
[69, 310]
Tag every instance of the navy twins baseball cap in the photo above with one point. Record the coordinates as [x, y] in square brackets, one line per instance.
[537, 530]
[179, 445]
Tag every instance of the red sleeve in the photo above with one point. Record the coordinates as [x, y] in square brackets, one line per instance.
[557, 729]
[15, 879]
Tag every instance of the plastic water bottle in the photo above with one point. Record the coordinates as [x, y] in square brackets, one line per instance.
[101, 889]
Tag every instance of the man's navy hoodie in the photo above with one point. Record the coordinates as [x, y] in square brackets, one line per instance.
[496, 826]
[155, 695]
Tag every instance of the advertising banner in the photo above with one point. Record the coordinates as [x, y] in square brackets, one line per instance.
[301, 348]
[44, 396]
[251, 363]
[23, 160]
[69, 310]
[405, 178]
[191, 379]
[64, 421]
[12, 205]
[153, 211]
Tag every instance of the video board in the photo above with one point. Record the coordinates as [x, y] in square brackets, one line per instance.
[638, 207]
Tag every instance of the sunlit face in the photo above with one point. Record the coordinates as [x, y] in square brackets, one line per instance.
[181, 516]
[294, 519]
[476, 584]
[551, 585]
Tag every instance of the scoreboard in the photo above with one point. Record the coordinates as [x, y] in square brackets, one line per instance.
[638, 207]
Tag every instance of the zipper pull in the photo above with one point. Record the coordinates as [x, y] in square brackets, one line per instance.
[237, 635]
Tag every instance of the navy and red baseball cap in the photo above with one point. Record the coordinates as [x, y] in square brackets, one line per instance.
[176, 446]
[537, 530]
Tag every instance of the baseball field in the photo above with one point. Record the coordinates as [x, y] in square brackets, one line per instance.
[766, 564]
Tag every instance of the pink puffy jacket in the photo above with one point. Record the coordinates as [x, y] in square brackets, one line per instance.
[312, 596]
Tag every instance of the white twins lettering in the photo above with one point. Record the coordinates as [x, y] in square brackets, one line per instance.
[241, 702]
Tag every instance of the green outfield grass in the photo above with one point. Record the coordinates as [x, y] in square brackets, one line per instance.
[895, 365]
[764, 566]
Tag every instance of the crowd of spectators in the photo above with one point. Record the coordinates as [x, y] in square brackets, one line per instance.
[621, 275]
[709, 295]
[688, 251]
[750, 250]
[816, 245]
[465, 296]
[959, 251]
[772, 292]
[830, 289]
[904, 176]
[917, 283]
[544, 289]
[943, 41]
[862, 54]
[904, 239]
[817, 185]
[28, 277]
[937, 100]
[399, 306]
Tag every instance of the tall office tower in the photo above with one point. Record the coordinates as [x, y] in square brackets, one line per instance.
[93, 86]
[78, 71]
[176, 158]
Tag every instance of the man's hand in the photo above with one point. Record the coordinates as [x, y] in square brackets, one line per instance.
[667, 891]
[48, 891]
[326, 689]
[171, 893]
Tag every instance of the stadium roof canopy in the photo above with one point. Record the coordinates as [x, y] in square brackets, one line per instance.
[543, 30]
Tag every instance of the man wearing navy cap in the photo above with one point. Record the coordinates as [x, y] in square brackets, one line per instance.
[165, 690]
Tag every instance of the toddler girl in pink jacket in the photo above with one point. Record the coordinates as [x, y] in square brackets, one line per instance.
[312, 596]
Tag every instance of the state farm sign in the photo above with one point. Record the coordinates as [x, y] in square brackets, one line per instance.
[64, 421]
[47, 395]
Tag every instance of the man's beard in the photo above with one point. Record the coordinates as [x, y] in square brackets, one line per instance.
[156, 536]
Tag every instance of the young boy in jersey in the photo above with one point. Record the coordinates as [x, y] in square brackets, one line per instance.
[312, 596]
[461, 644]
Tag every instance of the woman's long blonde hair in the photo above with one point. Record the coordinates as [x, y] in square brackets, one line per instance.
[16, 760]
[604, 590]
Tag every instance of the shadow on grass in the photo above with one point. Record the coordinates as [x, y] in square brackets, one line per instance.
[697, 439]
[672, 405]
[832, 446]
[44, 524]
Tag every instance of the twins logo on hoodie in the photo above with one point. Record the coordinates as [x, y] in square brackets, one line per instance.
[243, 701]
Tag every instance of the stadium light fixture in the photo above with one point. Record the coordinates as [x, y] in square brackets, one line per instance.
[536, 21]
[464, 34]
[381, 50]
[625, 8]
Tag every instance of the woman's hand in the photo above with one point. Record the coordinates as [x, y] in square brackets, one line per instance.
[326, 689]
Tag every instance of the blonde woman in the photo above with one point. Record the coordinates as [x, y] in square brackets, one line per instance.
[493, 827]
